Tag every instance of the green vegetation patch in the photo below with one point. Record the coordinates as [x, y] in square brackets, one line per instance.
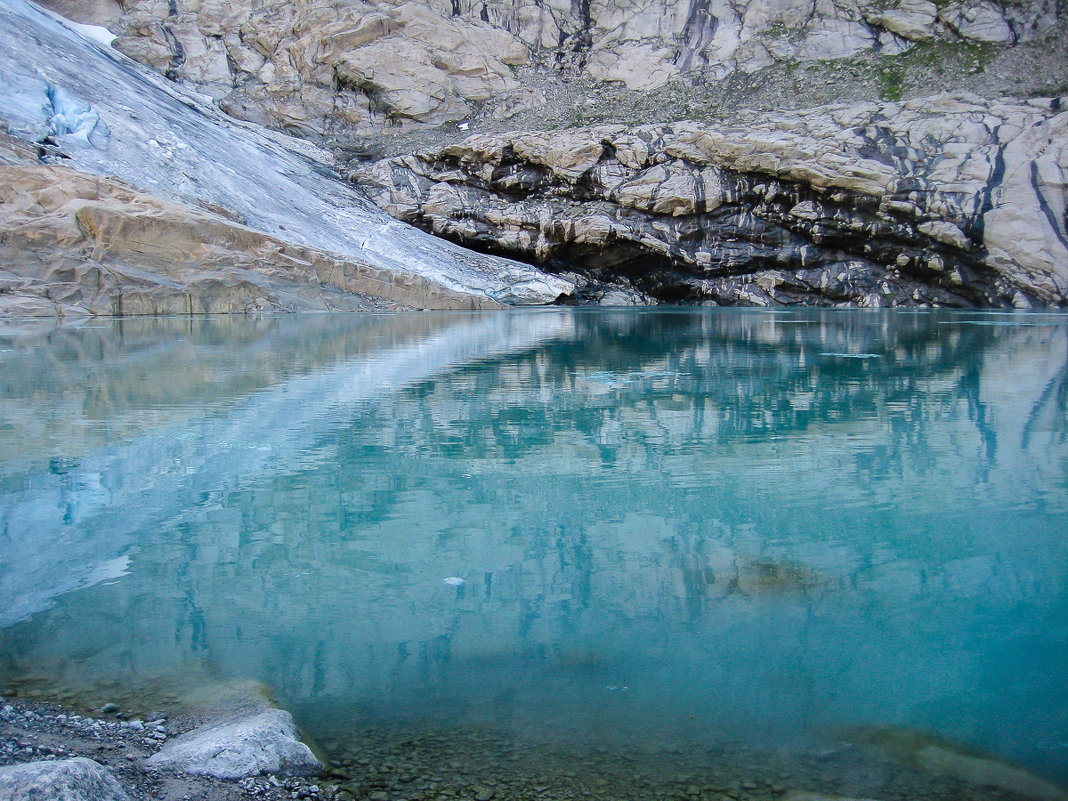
[891, 83]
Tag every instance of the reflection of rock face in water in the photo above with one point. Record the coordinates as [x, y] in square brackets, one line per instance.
[793, 542]
[767, 576]
[942, 758]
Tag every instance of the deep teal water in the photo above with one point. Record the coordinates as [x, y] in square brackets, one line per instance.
[671, 528]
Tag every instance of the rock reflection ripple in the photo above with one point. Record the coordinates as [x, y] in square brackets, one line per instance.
[661, 529]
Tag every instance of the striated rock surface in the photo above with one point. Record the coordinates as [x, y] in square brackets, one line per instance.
[78, 779]
[236, 219]
[264, 743]
[73, 244]
[943, 201]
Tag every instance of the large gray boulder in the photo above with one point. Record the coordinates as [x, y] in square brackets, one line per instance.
[77, 779]
[266, 742]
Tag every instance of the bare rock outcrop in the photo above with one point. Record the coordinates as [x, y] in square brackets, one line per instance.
[317, 67]
[951, 200]
[124, 192]
[74, 244]
[943, 201]
[320, 68]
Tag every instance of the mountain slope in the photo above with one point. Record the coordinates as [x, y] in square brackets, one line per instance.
[79, 104]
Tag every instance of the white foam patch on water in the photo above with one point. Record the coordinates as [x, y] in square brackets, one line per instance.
[110, 570]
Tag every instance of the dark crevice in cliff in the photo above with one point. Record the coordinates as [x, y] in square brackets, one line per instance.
[804, 274]
[845, 247]
[697, 33]
[985, 201]
[1058, 226]
[573, 49]
[178, 58]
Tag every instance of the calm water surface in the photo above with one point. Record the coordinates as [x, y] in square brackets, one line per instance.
[672, 531]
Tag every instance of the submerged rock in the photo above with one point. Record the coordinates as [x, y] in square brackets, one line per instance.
[266, 742]
[939, 757]
[775, 577]
[78, 779]
[982, 771]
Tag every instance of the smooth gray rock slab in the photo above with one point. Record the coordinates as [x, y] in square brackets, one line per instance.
[112, 117]
[77, 779]
[263, 743]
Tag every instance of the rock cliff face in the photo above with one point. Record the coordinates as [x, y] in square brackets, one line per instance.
[898, 194]
[944, 201]
[320, 68]
[100, 247]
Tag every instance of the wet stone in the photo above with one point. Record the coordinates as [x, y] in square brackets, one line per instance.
[70, 780]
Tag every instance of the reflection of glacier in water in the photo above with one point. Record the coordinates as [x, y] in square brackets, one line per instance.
[678, 527]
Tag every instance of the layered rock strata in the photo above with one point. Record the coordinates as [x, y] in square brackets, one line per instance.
[943, 201]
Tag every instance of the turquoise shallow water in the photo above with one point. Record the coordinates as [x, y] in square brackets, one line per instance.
[665, 529]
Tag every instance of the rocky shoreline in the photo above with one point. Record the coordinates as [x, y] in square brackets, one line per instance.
[252, 752]
[46, 749]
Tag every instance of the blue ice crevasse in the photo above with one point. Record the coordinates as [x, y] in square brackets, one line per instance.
[74, 119]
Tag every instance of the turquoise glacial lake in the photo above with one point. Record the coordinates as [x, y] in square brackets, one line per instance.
[831, 543]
